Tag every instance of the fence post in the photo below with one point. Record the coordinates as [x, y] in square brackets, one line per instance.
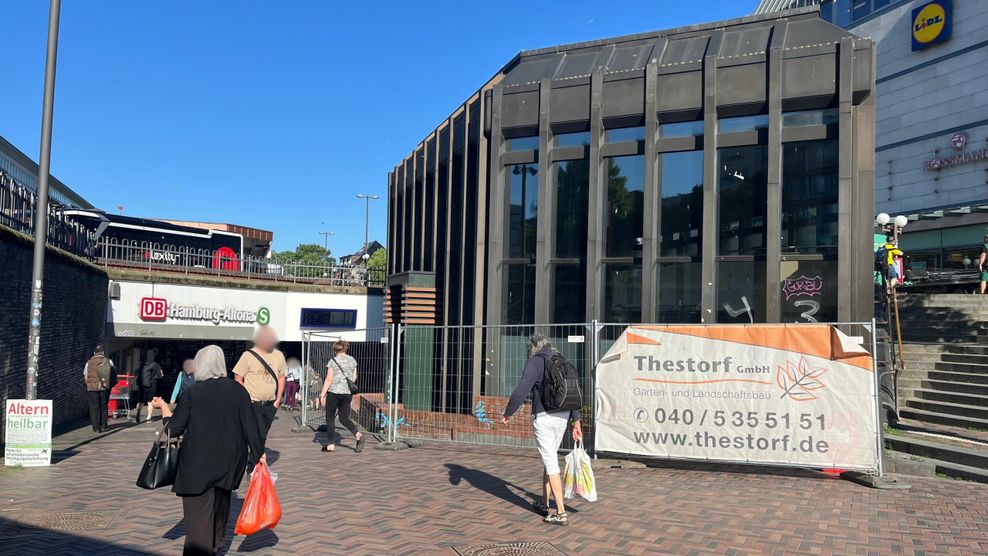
[880, 432]
[395, 379]
[595, 358]
[306, 343]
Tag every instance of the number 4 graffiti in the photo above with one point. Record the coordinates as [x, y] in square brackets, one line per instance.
[738, 312]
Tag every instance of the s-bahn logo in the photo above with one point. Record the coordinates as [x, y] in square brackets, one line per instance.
[931, 23]
[154, 309]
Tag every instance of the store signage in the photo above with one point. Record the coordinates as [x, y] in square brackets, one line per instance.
[931, 23]
[27, 441]
[958, 143]
[157, 309]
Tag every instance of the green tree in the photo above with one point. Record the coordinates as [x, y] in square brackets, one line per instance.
[379, 259]
[306, 254]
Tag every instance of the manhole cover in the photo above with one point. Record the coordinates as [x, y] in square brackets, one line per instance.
[510, 549]
[60, 521]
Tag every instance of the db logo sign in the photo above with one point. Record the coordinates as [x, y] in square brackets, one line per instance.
[154, 308]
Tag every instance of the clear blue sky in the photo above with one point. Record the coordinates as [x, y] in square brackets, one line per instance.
[273, 114]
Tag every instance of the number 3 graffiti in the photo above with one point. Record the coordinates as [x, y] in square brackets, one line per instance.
[814, 307]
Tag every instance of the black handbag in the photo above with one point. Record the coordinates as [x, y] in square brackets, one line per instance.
[161, 465]
[351, 385]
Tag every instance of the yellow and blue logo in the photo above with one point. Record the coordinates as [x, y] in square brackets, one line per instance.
[931, 23]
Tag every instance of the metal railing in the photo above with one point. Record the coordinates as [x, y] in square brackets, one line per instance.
[18, 209]
[159, 257]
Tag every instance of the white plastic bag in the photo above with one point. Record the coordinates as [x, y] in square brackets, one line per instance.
[578, 475]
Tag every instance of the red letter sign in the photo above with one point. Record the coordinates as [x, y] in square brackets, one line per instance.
[153, 308]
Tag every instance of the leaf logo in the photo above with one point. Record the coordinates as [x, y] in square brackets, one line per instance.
[798, 380]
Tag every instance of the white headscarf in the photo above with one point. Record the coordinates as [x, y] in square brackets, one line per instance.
[209, 363]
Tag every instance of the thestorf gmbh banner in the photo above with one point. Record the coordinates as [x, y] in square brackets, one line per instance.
[777, 394]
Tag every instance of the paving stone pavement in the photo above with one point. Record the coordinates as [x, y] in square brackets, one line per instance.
[429, 499]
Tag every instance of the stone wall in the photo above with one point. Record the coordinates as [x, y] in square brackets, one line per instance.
[73, 322]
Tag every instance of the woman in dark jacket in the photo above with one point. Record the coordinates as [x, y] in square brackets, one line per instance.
[220, 436]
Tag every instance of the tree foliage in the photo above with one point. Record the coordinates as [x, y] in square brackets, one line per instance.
[379, 259]
[305, 254]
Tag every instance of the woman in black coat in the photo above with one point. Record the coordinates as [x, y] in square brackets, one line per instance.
[220, 437]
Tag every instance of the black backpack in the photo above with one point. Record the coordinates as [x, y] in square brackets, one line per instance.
[560, 385]
[149, 374]
[881, 258]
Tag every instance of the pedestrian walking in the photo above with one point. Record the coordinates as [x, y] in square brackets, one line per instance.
[292, 378]
[315, 383]
[261, 370]
[99, 376]
[147, 381]
[186, 379]
[983, 265]
[554, 386]
[220, 435]
[337, 393]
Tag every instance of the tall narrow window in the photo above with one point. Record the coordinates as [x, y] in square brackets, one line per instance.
[741, 234]
[569, 277]
[681, 234]
[523, 198]
[623, 231]
[808, 292]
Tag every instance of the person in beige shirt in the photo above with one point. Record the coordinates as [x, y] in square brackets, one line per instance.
[255, 369]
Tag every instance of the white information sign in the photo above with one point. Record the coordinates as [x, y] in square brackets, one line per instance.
[775, 394]
[27, 441]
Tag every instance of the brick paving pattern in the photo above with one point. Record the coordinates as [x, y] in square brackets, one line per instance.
[431, 499]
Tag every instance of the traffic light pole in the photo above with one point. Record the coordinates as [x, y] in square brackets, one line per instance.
[41, 208]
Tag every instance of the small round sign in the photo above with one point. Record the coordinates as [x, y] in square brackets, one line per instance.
[263, 316]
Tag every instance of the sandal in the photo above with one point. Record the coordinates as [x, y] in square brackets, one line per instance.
[540, 508]
[326, 449]
[557, 519]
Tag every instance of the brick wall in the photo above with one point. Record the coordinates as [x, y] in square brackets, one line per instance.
[73, 321]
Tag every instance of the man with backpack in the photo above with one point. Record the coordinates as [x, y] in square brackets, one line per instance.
[185, 379]
[100, 377]
[261, 370]
[554, 384]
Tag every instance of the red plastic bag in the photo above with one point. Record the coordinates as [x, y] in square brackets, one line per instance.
[261, 509]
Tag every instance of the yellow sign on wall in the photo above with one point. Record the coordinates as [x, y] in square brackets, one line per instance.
[931, 23]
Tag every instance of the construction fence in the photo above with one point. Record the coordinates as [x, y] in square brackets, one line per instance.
[452, 383]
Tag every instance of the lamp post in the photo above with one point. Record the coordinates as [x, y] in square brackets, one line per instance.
[325, 237]
[898, 223]
[367, 199]
[41, 210]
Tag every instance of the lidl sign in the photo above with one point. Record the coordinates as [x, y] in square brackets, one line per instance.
[931, 23]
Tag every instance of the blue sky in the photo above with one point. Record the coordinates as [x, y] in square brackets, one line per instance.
[273, 114]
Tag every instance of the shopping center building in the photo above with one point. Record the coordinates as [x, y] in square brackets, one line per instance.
[931, 128]
[721, 172]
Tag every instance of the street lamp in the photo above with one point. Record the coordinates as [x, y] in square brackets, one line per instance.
[367, 199]
[325, 243]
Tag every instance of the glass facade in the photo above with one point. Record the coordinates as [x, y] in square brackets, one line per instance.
[523, 210]
[679, 292]
[572, 139]
[682, 129]
[622, 134]
[808, 268]
[622, 293]
[625, 211]
[681, 204]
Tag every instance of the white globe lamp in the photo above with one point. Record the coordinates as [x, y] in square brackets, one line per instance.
[901, 221]
[882, 219]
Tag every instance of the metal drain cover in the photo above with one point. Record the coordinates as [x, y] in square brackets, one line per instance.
[60, 521]
[510, 549]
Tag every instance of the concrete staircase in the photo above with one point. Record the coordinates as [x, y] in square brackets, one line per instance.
[943, 317]
[943, 390]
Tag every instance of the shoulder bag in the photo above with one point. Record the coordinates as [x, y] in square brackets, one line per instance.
[351, 385]
[161, 465]
[266, 368]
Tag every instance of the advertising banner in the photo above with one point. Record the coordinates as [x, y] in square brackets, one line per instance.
[774, 394]
[28, 433]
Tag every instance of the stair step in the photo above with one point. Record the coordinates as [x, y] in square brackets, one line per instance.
[943, 386]
[935, 337]
[948, 376]
[937, 348]
[974, 455]
[942, 418]
[968, 358]
[949, 408]
[959, 471]
[950, 397]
